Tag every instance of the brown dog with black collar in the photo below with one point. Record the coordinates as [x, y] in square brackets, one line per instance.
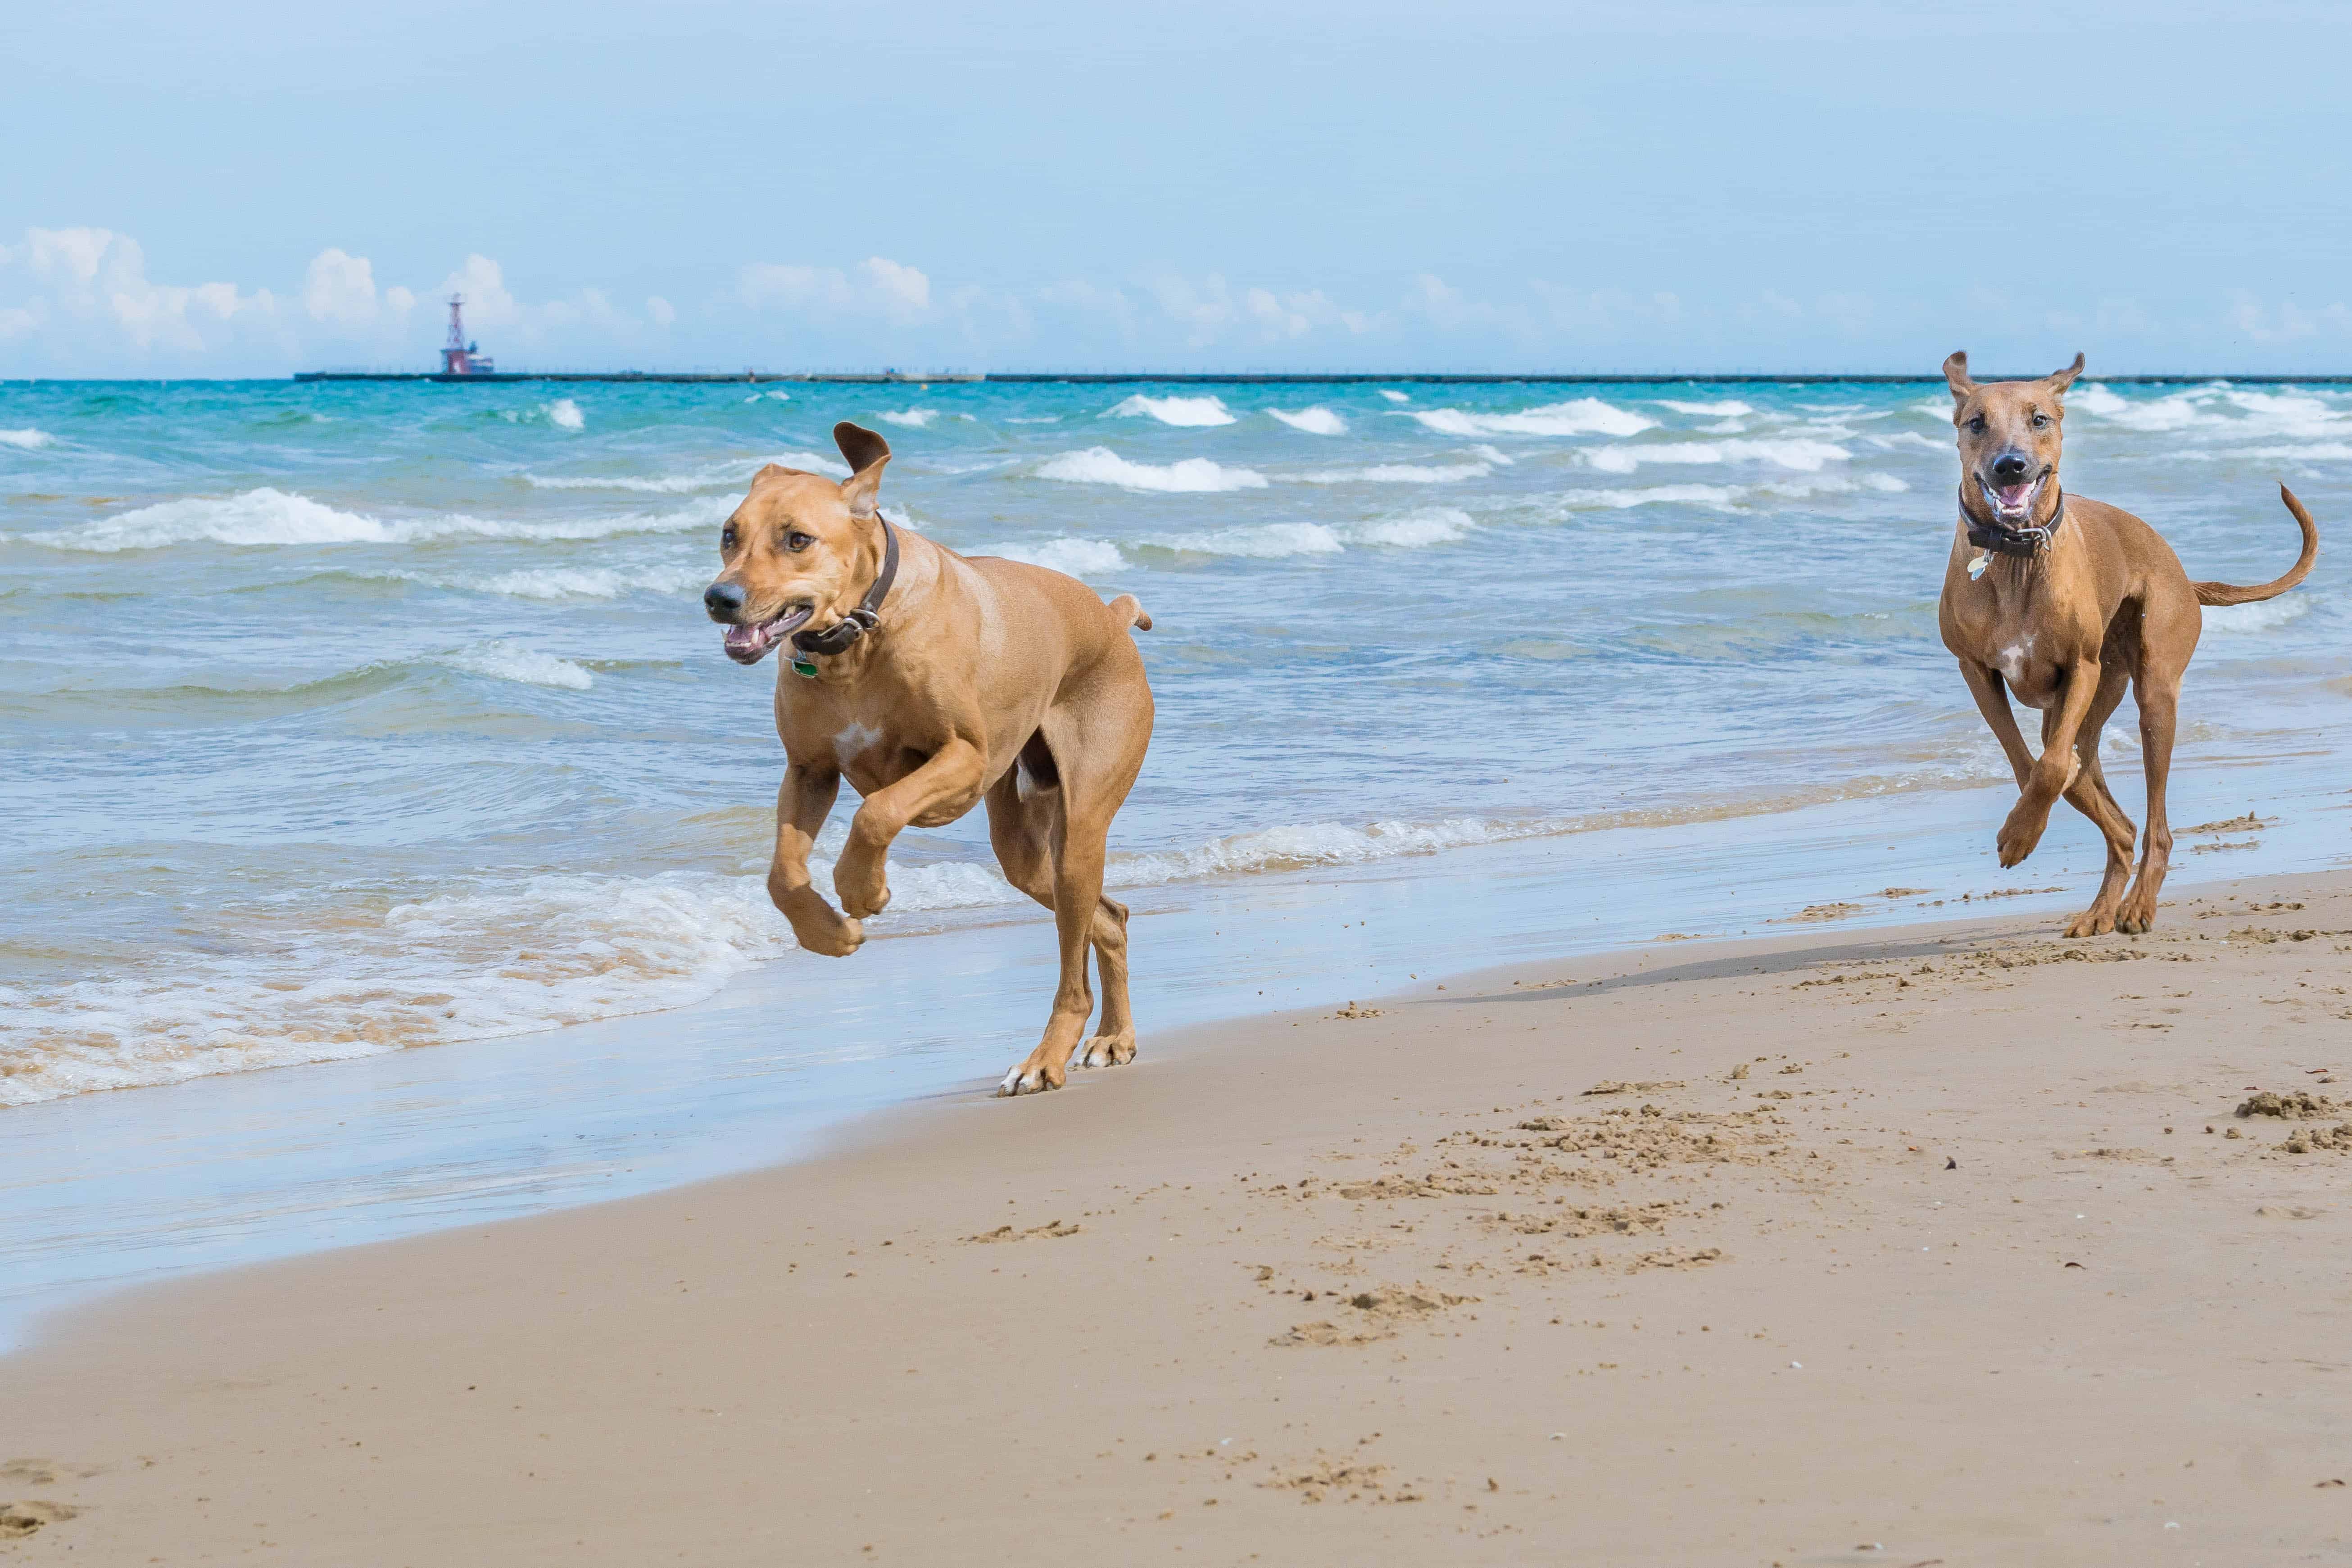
[2063, 601]
[932, 682]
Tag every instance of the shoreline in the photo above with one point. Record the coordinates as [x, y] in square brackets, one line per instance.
[227, 1171]
[1399, 1277]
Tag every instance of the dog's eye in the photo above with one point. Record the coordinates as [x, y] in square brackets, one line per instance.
[2040, 420]
[797, 541]
[726, 537]
[1977, 426]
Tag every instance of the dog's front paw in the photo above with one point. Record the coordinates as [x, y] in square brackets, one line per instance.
[838, 939]
[1108, 1050]
[2020, 833]
[863, 889]
[2137, 915]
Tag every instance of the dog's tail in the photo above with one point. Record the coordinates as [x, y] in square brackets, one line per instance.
[2231, 594]
[1129, 608]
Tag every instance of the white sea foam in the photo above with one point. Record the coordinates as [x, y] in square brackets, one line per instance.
[915, 418]
[1579, 417]
[1493, 455]
[1414, 531]
[1796, 453]
[813, 463]
[1312, 844]
[1399, 474]
[564, 415]
[1084, 559]
[773, 395]
[1316, 421]
[1101, 465]
[2248, 620]
[274, 517]
[731, 475]
[1394, 396]
[1720, 498]
[1185, 411]
[502, 659]
[1279, 540]
[26, 440]
[1729, 409]
[590, 582]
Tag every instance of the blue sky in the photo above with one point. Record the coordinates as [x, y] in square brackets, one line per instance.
[1659, 186]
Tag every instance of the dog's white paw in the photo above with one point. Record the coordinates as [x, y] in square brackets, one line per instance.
[1026, 1079]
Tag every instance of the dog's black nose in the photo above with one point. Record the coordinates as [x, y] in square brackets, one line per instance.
[723, 600]
[2009, 468]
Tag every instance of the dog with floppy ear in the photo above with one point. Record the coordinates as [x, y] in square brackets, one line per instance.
[2061, 602]
[932, 682]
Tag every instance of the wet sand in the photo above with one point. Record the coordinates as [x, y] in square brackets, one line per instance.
[1906, 1245]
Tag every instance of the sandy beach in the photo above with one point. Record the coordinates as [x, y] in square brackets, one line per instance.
[1946, 1243]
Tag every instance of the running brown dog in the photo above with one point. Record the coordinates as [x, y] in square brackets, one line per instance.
[2061, 601]
[931, 682]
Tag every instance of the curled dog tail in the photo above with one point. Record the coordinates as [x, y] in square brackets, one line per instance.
[1129, 608]
[2232, 594]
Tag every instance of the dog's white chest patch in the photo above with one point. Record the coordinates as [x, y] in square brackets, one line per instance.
[2014, 658]
[853, 739]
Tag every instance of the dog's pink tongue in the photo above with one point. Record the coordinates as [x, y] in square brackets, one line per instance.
[2013, 496]
[746, 639]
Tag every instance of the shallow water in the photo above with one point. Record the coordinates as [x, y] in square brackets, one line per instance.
[350, 717]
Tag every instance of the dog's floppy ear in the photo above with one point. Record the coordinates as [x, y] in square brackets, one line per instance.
[1955, 374]
[868, 453]
[860, 447]
[2060, 380]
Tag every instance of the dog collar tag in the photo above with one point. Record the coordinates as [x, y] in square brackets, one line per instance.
[803, 665]
[1976, 568]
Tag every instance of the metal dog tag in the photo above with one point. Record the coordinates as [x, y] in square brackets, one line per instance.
[802, 665]
[1976, 569]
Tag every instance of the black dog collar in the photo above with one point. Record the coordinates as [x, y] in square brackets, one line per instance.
[2004, 540]
[838, 636]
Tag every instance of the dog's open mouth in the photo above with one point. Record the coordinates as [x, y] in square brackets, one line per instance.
[2013, 504]
[749, 645]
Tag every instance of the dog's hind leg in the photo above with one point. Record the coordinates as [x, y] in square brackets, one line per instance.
[1096, 740]
[2157, 690]
[2090, 796]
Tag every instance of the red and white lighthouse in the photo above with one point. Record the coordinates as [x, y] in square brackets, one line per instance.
[459, 357]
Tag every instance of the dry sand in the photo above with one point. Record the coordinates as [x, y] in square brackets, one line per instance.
[1936, 1245]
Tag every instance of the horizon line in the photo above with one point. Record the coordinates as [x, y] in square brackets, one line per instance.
[1195, 378]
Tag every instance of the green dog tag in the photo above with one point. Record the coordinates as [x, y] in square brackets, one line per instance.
[803, 665]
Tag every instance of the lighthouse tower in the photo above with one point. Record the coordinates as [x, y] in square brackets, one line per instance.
[459, 357]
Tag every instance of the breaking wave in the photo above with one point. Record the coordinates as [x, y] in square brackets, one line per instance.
[505, 660]
[1399, 474]
[26, 440]
[1316, 421]
[1579, 417]
[1795, 453]
[274, 517]
[564, 415]
[1189, 412]
[1101, 465]
[1084, 559]
[914, 418]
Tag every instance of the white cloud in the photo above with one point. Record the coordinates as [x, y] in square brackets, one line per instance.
[877, 287]
[340, 286]
[660, 309]
[2288, 323]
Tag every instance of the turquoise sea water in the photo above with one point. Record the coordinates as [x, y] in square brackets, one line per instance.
[345, 718]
